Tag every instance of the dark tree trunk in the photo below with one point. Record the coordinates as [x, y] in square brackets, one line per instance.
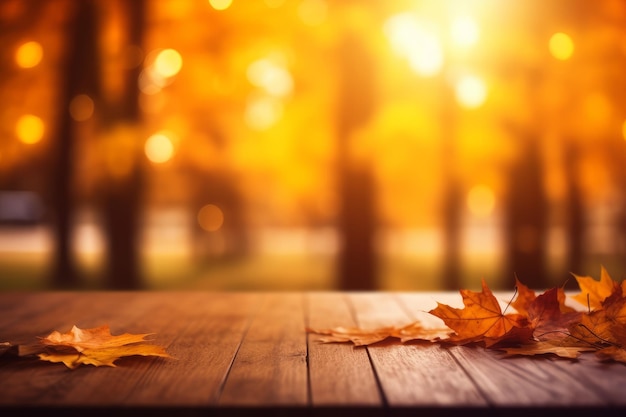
[122, 195]
[575, 220]
[526, 216]
[357, 257]
[77, 77]
[452, 199]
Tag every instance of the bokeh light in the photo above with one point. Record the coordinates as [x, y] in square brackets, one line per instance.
[471, 92]
[29, 129]
[272, 77]
[159, 148]
[168, 63]
[210, 218]
[561, 46]
[415, 41]
[29, 54]
[81, 108]
[220, 4]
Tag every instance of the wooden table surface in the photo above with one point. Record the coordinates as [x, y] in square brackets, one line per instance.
[249, 352]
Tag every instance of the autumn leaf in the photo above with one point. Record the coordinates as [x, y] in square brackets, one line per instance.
[561, 348]
[549, 317]
[523, 300]
[364, 337]
[603, 325]
[96, 346]
[482, 320]
[593, 292]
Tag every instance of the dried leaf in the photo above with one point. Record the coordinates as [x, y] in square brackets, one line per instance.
[96, 346]
[482, 320]
[523, 300]
[592, 292]
[364, 337]
[612, 353]
[549, 317]
[558, 348]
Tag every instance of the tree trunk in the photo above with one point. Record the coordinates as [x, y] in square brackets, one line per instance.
[357, 217]
[575, 225]
[526, 217]
[122, 195]
[77, 77]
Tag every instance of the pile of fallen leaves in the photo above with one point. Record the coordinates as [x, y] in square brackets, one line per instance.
[96, 346]
[539, 324]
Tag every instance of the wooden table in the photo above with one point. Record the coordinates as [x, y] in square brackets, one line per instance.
[249, 353]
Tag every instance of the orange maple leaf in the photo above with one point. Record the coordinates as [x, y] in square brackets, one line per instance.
[523, 300]
[482, 320]
[96, 346]
[592, 292]
[603, 325]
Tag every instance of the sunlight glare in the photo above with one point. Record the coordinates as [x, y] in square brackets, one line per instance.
[464, 31]
[420, 46]
[471, 92]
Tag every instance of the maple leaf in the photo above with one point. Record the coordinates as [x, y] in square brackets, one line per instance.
[482, 320]
[96, 346]
[592, 292]
[602, 325]
[559, 348]
[364, 337]
[523, 300]
[549, 317]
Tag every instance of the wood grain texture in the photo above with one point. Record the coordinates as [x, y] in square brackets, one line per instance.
[271, 365]
[509, 381]
[251, 351]
[339, 374]
[412, 374]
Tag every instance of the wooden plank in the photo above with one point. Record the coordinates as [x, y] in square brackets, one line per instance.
[511, 381]
[606, 380]
[35, 382]
[209, 333]
[421, 374]
[339, 374]
[270, 368]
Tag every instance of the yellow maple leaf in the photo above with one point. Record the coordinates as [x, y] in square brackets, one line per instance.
[96, 346]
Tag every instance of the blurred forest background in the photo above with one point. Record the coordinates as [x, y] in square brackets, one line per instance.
[311, 144]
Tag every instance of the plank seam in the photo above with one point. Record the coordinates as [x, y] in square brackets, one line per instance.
[379, 385]
[253, 316]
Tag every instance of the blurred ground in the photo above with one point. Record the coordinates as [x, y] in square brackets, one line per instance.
[292, 259]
